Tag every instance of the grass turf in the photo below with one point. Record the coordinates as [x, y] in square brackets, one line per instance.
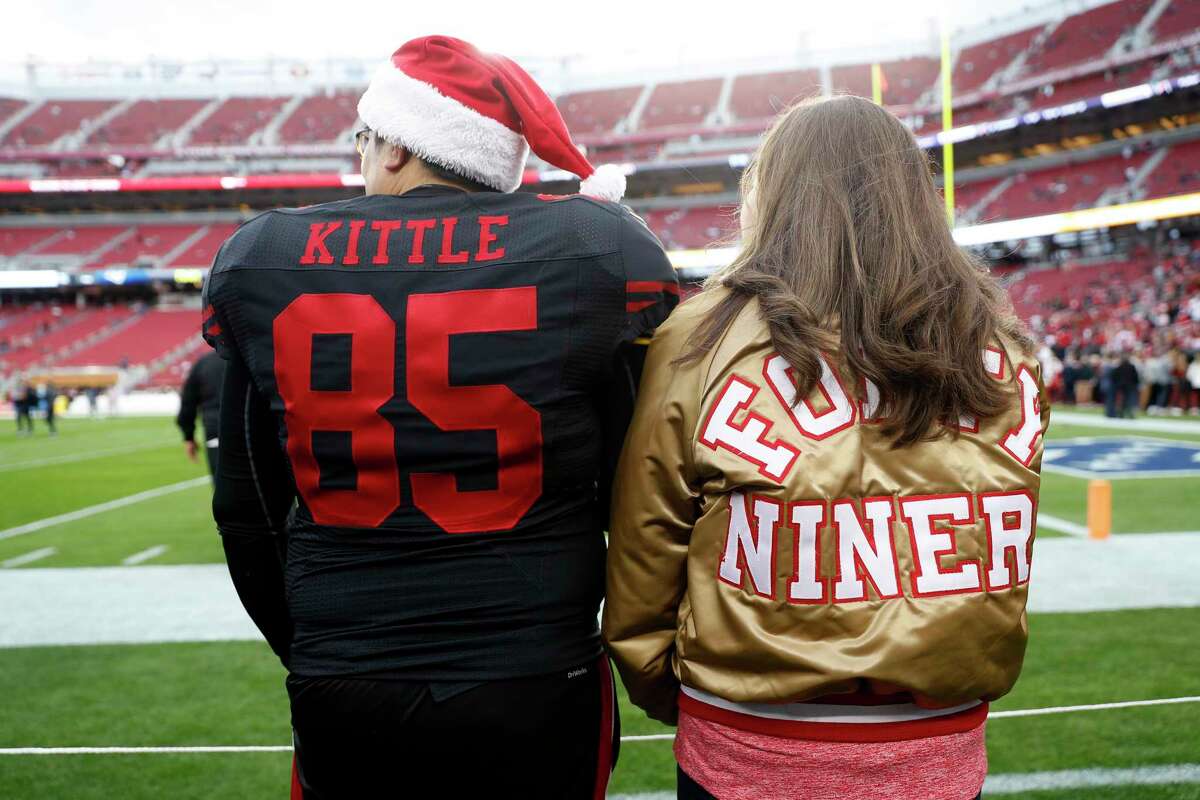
[232, 693]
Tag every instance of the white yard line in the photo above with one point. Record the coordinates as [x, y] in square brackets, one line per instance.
[29, 558]
[145, 555]
[1023, 782]
[654, 737]
[100, 508]
[1019, 783]
[1037, 712]
[1061, 525]
[86, 456]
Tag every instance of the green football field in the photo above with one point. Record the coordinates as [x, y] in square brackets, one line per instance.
[231, 693]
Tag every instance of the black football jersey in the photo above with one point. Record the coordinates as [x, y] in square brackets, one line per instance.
[439, 369]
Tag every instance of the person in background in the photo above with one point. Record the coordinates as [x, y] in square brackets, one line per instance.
[1193, 380]
[1070, 374]
[49, 395]
[23, 411]
[202, 392]
[30, 404]
[823, 515]
[1107, 386]
[1125, 385]
[1157, 371]
[1178, 361]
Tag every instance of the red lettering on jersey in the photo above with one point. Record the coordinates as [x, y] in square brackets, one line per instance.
[351, 257]
[318, 232]
[385, 228]
[486, 237]
[418, 227]
[446, 257]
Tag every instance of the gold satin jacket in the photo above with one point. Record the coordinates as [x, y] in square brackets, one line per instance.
[764, 550]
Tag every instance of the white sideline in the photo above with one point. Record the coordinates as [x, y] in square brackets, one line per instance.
[653, 737]
[1143, 424]
[100, 508]
[88, 456]
[144, 555]
[29, 558]
[1061, 525]
[1021, 782]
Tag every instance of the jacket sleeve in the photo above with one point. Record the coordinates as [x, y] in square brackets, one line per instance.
[654, 509]
[251, 501]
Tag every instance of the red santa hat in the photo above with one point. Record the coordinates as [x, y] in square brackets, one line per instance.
[476, 114]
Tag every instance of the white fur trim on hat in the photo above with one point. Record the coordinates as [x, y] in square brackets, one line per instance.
[606, 183]
[440, 129]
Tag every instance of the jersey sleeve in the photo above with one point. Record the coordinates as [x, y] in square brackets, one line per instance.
[651, 287]
[234, 252]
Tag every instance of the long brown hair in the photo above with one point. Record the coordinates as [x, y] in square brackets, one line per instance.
[843, 227]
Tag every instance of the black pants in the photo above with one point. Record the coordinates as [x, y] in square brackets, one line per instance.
[688, 789]
[552, 736]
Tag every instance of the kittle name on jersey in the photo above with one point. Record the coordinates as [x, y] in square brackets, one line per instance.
[429, 240]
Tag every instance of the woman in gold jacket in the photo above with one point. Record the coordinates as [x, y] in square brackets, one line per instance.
[823, 520]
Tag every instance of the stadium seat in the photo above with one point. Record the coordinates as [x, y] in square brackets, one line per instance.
[53, 120]
[146, 121]
[321, 118]
[681, 103]
[236, 120]
[1087, 36]
[599, 110]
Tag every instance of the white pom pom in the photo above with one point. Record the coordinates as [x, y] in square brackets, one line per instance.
[606, 183]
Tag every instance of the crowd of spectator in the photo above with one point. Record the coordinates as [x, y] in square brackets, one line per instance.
[1129, 343]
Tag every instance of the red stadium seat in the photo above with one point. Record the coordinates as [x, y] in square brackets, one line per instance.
[321, 118]
[146, 121]
[236, 120]
[681, 103]
[599, 110]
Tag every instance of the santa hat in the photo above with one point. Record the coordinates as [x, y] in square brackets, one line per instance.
[475, 114]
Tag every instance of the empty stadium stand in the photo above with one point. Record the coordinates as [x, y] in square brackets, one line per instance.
[684, 228]
[680, 103]
[1064, 188]
[1087, 36]
[152, 335]
[1178, 173]
[146, 121]
[321, 118]
[976, 64]
[763, 95]
[597, 111]
[1179, 17]
[53, 120]
[76, 330]
[202, 251]
[236, 120]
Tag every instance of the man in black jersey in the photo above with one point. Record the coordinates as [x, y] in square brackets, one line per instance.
[201, 393]
[426, 393]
